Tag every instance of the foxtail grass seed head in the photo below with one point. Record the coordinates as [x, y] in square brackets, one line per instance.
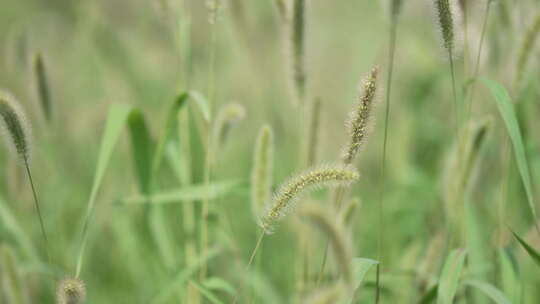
[42, 86]
[71, 291]
[526, 49]
[261, 176]
[281, 6]
[336, 235]
[290, 191]
[214, 7]
[296, 42]
[14, 125]
[447, 20]
[361, 117]
[312, 132]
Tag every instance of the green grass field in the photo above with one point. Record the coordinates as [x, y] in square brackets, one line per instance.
[269, 151]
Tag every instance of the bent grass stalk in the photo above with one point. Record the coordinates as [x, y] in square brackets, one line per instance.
[291, 191]
[16, 128]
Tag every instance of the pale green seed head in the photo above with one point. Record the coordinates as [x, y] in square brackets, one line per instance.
[71, 291]
[14, 126]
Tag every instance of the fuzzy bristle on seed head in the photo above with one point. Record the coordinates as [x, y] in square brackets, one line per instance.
[71, 291]
[14, 125]
[290, 191]
[361, 118]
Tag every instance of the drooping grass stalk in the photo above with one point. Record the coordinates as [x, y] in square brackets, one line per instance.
[42, 84]
[284, 199]
[214, 7]
[71, 291]
[16, 128]
[359, 124]
[395, 10]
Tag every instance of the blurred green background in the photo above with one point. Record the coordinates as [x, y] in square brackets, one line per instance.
[139, 52]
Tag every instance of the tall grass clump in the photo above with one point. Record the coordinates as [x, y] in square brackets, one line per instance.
[17, 134]
[71, 291]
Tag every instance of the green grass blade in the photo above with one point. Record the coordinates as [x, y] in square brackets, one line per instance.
[489, 290]
[142, 154]
[186, 193]
[206, 292]
[12, 287]
[9, 223]
[530, 250]
[449, 280]
[507, 111]
[116, 119]
[169, 132]
[219, 284]
[430, 295]
[509, 277]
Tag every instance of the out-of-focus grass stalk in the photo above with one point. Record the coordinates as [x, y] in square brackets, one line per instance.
[214, 7]
[396, 7]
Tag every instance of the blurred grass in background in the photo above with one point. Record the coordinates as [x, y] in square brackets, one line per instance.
[103, 52]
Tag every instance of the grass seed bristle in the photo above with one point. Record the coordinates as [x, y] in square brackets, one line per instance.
[71, 291]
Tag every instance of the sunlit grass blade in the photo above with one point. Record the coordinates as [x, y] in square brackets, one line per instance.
[450, 275]
[116, 120]
[489, 290]
[507, 111]
[187, 193]
[533, 253]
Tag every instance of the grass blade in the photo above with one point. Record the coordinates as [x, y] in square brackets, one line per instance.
[449, 280]
[507, 111]
[186, 193]
[489, 290]
[141, 143]
[530, 250]
[118, 115]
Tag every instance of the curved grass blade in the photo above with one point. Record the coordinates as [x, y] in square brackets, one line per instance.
[449, 280]
[508, 113]
[530, 250]
[489, 290]
[215, 283]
